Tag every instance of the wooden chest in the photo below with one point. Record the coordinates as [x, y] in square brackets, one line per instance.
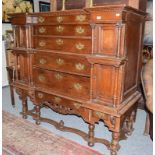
[84, 62]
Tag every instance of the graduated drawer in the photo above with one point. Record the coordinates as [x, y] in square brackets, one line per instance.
[72, 45]
[47, 19]
[61, 104]
[62, 62]
[63, 30]
[66, 84]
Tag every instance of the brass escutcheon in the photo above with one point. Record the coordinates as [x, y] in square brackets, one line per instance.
[41, 78]
[60, 61]
[80, 18]
[79, 66]
[57, 99]
[59, 28]
[59, 41]
[40, 95]
[79, 30]
[58, 76]
[42, 30]
[42, 43]
[77, 86]
[79, 46]
[77, 105]
[41, 19]
[42, 61]
[59, 19]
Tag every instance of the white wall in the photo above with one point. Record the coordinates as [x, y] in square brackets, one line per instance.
[36, 4]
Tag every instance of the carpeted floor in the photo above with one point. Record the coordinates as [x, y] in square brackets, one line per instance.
[21, 137]
[136, 144]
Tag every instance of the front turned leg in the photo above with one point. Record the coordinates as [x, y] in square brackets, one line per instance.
[91, 135]
[24, 108]
[37, 108]
[114, 147]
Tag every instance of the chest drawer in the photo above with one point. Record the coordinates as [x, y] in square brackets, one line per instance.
[63, 30]
[66, 84]
[61, 62]
[63, 44]
[45, 19]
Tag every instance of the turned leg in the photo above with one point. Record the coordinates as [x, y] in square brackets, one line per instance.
[37, 108]
[24, 108]
[114, 147]
[91, 135]
[130, 123]
[147, 125]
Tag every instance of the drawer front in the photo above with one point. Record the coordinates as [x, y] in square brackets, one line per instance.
[45, 19]
[60, 62]
[62, 105]
[63, 44]
[63, 30]
[63, 83]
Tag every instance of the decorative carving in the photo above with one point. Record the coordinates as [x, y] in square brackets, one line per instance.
[80, 18]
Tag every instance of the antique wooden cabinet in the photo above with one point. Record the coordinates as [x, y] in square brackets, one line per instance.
[84, 62]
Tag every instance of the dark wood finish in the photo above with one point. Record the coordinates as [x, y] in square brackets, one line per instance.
[105, 88]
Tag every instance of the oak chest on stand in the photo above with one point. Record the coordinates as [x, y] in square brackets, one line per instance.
[84, 62]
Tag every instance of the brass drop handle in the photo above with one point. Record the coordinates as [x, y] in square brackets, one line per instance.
[99, 114]
[59, 19]
[58, 76]
[80, 18]
[59, 28]
[41, 19]
[79, 30]
[59, 41]
[77, 105]
[41, 78]
[40, 95]
[60, 61]
[42, 43]
[77, 86]
[79, 66]
[57, 99]
[42, 61]
[42, 30]
[79, 46]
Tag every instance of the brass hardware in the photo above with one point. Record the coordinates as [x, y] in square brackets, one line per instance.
[59, 41]
[41, 19]
[77, 86]
[40, 95]
[79, 46]
[59, 28]
[59, 19]
[59, 61]
[79, 66]
[42, 30]
[80, 30]
[58, 76]
[41, 78]
[57, 99]
[42, 61]
[99, 114]
[77, 105]
[42, 43]
[80, 18]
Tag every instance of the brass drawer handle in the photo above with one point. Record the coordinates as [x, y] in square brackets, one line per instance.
[58, 76]
[60, 61]
[42, 43]
[41, 19]
[77, 105]
[42, 30]
[79, 66]
[41, 78]
[59, 19]
[59, 41]
[80, 18]
[79, 30]
[99, 114]
[57, 99]
[42, 61]
[79, 46]
[77, 86]
[59, 28]
[40, 95]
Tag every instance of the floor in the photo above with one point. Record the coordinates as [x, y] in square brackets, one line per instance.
[136, 144]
